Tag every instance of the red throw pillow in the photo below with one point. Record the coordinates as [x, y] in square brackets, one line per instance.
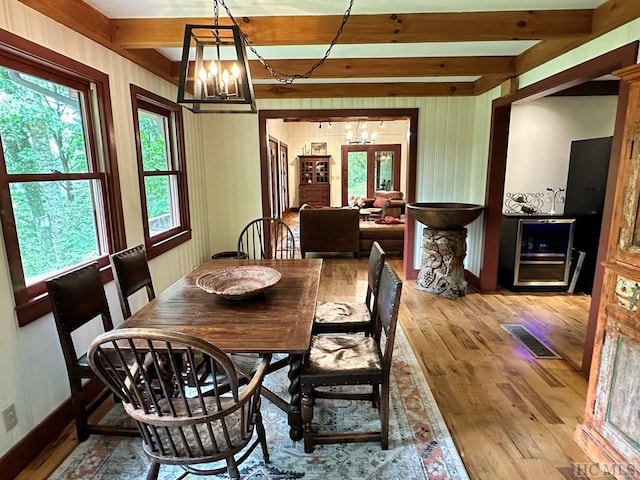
[389, 220]
[377, 203]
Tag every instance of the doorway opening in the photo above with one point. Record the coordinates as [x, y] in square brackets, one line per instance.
[269, 123]
[499, 137]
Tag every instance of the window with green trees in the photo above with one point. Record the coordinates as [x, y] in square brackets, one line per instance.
[52, 179]
[161, 167]
[58, 175]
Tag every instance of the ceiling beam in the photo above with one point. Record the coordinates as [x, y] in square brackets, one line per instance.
[364, 29]
[345, 90]
[76, 15]
[391, 67]
[88, 21]
[608, 16]
[489, 82]
[383, 67]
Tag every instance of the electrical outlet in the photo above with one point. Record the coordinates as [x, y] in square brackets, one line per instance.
[10, 417]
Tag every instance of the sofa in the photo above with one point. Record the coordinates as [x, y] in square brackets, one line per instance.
[324, 230]
[329, 229]
[390, 237]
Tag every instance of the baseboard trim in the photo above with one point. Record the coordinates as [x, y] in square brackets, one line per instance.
[30, 446]
[472, 279]
[596, 447]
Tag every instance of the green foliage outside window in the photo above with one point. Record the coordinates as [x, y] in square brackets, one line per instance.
[357, 174]
[153, 131]
[42, 132]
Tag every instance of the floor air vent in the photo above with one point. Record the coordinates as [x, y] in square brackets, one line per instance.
[524, 336]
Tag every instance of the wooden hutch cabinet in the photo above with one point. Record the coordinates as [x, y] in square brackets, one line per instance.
[314, 188]
[610, 433]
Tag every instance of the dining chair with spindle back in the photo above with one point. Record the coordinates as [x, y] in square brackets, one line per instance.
[267, 237]
[189, 427]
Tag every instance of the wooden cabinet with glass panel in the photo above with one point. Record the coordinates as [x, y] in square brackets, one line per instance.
[314, 187]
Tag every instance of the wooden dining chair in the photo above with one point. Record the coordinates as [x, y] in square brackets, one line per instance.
[180, 425]
[77, 297]
[353, 360]
[349, 317]
[267, 237]
[131, 272]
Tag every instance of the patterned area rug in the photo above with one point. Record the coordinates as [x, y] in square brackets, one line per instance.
[420, 446]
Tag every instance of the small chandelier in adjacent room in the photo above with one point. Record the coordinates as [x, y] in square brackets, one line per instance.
[214, 73]
[218, 79]
[361, 136]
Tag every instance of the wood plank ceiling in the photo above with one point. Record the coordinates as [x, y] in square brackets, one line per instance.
[153, 40]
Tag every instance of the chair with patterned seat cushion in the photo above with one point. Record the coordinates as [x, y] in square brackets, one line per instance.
[77, 298]
[190, 427]
[349, 317]
[347, 360]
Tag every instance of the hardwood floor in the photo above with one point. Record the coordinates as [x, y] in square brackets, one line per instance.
[510, 415]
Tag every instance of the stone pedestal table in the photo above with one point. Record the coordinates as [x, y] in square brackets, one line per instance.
[442, 270]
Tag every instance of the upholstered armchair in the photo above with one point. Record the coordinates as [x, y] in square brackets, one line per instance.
[391, 203]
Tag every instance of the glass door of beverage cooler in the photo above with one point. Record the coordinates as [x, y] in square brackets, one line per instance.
[544, 254]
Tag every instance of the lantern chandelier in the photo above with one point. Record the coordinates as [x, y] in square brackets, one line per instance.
[214, 72]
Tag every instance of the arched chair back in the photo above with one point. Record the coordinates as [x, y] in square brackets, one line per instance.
[77, 297]
[131, 272]
[267, 237]
[179, 425]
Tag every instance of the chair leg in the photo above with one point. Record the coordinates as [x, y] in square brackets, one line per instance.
[384, 417]
[79, 412]
[306, 412]
[232, 468]
[153, 472]
[262, 436]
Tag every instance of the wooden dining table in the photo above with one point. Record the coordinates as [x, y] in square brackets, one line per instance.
[277, 320]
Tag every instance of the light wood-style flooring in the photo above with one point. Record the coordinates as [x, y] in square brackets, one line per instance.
[511, 416]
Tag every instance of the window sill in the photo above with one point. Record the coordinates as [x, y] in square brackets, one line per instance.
[158, 248]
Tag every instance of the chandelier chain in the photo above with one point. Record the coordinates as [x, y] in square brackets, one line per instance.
[277, 74]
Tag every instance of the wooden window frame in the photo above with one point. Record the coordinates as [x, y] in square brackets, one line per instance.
[20, 54]
[162, 242]
[370, 150]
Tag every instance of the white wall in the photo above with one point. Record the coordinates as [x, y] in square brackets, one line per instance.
[299, 135]
[540, 136]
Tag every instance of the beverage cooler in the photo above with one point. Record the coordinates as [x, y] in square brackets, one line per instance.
[536, 252]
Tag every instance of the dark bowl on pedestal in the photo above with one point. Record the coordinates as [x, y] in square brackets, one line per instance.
[446, 215]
